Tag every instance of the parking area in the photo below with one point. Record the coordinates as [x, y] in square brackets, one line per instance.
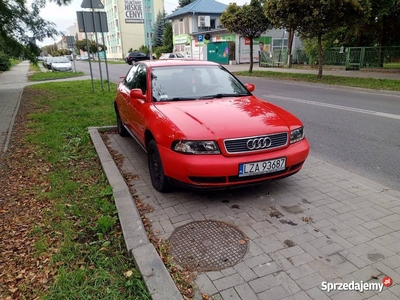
[296, 238]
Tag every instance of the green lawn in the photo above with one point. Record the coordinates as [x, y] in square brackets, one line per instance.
[78, 243]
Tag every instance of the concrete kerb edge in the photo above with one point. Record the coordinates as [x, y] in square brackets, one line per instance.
[10, 129]
[155, 274]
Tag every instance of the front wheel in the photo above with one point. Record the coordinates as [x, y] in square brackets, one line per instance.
[120, 126]
[158, 179]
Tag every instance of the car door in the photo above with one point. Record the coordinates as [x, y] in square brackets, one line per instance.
[123, 97]
[139, 106]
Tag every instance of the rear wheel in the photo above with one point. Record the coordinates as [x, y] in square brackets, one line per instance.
[120, 126]
[160, 182]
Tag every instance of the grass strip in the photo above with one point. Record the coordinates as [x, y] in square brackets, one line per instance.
[61, 238]
[40, 76]
[369, 83]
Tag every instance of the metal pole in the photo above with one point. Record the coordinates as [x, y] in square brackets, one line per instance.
[97, 45]
[149, 31]
[88, 50]
[105, 57]
[73, 57]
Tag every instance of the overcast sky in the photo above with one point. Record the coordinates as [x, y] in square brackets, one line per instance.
[65, 16]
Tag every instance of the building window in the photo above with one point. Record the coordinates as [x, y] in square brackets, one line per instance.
[212, 24]
[181, 31]
[277, 44]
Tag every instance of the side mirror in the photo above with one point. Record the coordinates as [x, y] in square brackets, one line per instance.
[250, 87]
[137, 94]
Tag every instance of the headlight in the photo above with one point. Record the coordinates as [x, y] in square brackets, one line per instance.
[196, 147]
[297, 135]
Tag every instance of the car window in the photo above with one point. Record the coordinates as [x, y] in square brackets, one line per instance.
[141, 78]
[194, 82]
[129, 78]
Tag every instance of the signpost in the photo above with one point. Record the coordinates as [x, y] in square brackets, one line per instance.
[71, 46]
[94, 22]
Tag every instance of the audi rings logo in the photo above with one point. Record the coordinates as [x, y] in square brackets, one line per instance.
[259, 143]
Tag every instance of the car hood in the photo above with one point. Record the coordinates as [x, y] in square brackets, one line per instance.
[227, 117]
[68, 64]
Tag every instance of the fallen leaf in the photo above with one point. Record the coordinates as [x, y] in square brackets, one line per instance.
[374, 276]
[242, 242]
[128, 273]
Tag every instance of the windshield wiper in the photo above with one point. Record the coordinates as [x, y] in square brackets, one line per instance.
[222, 96]
[178, 99]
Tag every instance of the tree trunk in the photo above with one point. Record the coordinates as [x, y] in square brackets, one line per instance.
[251, 55]
[290, 46]
[320, 62]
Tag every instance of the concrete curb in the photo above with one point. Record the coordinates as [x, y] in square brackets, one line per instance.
[10, 129]
[155, 274]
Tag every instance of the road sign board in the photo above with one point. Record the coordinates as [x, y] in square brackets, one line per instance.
[200, 38]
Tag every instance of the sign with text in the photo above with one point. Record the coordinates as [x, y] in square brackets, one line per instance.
[70, 41]
[134, 11]
[92, 21]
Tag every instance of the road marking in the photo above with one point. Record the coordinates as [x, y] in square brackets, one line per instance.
[359, 110]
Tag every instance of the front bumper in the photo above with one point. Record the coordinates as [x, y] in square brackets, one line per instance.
[213, 171]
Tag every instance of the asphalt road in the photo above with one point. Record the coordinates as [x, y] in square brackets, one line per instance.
[355, 129]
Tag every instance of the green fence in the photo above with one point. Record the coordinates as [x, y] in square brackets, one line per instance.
[351, 57]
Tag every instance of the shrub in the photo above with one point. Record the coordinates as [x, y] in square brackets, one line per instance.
[5, 63]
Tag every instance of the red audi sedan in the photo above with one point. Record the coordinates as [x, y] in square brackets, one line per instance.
[203, 128]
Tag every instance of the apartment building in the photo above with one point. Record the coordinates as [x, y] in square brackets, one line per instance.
[129, 25]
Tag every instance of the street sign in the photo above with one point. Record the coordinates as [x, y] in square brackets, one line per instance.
[70, 41]
[200, 38]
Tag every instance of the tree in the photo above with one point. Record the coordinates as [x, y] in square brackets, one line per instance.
[93, 48]
[183, 3]
[317, 18]
[280, 13]
[247, 21]
[19, 24]
[168, 38]
[159, 29]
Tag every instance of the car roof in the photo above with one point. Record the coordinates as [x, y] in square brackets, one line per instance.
[176, 62]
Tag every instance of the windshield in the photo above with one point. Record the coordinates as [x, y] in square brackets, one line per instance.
[174, 83]
[61, 60]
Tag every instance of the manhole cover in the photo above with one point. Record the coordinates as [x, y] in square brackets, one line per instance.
[208, 245]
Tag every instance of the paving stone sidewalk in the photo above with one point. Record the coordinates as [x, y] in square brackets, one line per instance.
[339, 227]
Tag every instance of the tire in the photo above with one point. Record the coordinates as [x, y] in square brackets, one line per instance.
[120, 126]
[158, 179]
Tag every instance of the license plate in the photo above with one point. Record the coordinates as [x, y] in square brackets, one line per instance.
[262, 167]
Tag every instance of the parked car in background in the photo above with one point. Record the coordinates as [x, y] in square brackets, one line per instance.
[171, 56]
[201, 127]
[47, 62]
[136, 56]
[61, 63]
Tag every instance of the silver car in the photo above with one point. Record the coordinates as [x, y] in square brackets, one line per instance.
[61, 64]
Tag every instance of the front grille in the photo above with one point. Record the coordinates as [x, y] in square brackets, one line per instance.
[240, 145]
